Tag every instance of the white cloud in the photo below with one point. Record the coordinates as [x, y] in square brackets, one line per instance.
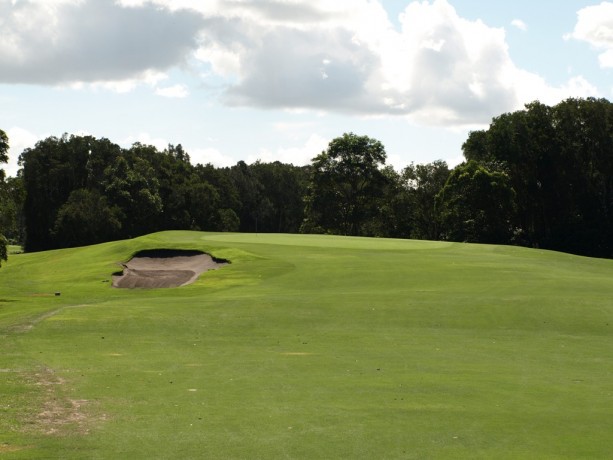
[145, 139]
[606, 59]
[297, 155]
[436, 68]
[454, 161]
[595, 26]
[531, 87]
[176, 91]
[19, 140]
[210, 155]
[346, 56]
[519, 24]
[63, 42]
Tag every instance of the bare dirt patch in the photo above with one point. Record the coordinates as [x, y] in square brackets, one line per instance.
[165, 268]
[57, 414]
[6, 448]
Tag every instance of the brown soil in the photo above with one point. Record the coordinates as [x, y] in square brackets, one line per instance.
[57, 414]
[164, 268]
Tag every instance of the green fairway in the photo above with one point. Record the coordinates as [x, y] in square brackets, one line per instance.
[308, 347]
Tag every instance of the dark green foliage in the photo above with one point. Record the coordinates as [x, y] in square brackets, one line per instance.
[270, 196]
[346, 185]
[5, 209]
[133, 188]
[392, 207]
[51, 171]
[3, 248]
[423, 182]
[4, 147]
[540, 177]
[476, 205]
[81, 190]
[86, 218]
[560, 163]
[12, 197]
[284, 187]
[254, 205]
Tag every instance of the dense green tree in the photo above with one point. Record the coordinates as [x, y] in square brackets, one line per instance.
[393, 209]
[228, 221]
[3, 249]
[174, 174]
[51, 171]
[4, 147]
[132, 187]
[101, 153]
[346, 184]
[255, 207]
[584, 128]
[86, 218]
[520, 144]
[559, 162]
[227, 197]
[12, 197]
[542, 177]
[424, 182]
[282, 191]
[476, 205]
[202, 204]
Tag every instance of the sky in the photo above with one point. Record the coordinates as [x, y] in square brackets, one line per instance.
[271, 80]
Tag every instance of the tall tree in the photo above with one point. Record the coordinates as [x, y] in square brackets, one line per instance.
[255, 207]
[476, 205]
[86, 218]
[560, 163]
[51, 171]
[132, 187]
[4, 147]
[229, 202]
[392, 218]
[12, 197]
[347, 181]
[283, 187]
[584, 128]
[424, 182]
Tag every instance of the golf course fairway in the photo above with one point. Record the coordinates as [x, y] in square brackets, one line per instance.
[308, 347]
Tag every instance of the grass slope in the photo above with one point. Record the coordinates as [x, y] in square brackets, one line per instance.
[309, 347]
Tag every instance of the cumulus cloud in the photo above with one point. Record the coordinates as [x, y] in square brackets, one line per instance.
[87, 41]
[210, 155]
[595, 26]
[519, 24]
[434, 67]
[297, 155]
[145, 139]
[437, 68]
[176, 91]
[19, 140]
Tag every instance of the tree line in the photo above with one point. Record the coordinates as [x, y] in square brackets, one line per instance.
[538, 177]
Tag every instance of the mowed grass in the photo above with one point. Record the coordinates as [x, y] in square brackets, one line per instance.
[309, 347]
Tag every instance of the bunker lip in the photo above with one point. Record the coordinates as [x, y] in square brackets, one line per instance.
[165, 268]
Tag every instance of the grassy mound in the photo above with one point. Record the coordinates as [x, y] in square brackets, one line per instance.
[308, 346]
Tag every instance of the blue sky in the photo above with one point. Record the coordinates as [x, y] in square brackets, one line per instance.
[273, 80]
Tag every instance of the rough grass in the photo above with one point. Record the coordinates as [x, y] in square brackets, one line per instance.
[309, 347]
[14, 249]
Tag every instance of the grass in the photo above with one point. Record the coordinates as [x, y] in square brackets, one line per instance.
[14, 249]
[309, 347]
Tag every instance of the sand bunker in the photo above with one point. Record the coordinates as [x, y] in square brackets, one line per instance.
[165, 268]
